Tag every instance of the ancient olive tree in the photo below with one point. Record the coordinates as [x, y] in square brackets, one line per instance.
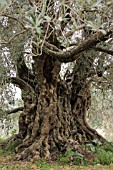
[36, 38]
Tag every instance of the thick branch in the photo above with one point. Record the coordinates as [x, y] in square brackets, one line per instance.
[23, 72]
[21, 83]
[73, 54]
[52, 47]
[15, 110]
[104, 50]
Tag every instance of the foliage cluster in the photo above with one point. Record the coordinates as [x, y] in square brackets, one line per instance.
[104, 154]
[72, 157]
[20, 22]
[100, 154]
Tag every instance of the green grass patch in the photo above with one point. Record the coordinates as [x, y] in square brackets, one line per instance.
[71, 157]
[54, 167]
[43, 165]
[70, 160]
[99, 154]
[12, 146]
[104, 154]
[9, 149]
[15, 167]
[1, 140]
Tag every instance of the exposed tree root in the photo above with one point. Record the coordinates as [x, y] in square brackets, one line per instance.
[54, 140]
[13, 138]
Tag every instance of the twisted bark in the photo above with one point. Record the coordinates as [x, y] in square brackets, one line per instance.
[55, 113]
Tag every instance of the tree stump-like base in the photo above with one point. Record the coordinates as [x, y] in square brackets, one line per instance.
[45, 147]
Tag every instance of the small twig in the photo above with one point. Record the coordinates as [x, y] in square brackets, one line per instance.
[16, 19]
[73, 31]
[45, 37]
[15, 35]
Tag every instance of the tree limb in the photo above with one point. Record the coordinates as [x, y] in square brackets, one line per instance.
[21, 83]
[103, 50]
[15, 110]
[52, 47]
[73, 54]
[23, 71]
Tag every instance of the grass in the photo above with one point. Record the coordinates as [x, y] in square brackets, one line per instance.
[6, 163]
[54, 166]
[102, 161]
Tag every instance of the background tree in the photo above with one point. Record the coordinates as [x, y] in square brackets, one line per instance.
[36, 38]
[99, 115]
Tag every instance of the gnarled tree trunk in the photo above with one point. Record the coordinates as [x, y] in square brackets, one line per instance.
[54, 109]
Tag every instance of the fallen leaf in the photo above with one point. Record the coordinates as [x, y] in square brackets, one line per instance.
[34, 167]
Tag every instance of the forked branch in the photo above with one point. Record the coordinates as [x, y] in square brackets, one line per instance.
[74, 53]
